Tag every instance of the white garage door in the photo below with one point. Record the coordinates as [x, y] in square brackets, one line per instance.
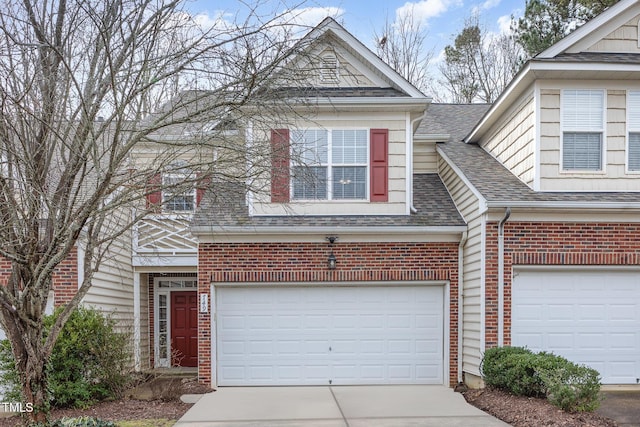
[588, 316]
[330, 335]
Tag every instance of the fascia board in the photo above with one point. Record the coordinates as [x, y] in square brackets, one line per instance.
[482, 202]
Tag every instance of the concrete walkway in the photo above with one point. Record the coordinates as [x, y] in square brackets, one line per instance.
[336, 406]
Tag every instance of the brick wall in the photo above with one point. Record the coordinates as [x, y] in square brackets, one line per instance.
[307, 262]
[546, 243]
[65, 277]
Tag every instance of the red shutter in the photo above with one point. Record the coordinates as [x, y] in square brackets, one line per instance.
[379, 187]
[280, 165]
[154, 195]
[202, 187]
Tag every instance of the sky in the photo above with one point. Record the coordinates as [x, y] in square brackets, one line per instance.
[442, 18]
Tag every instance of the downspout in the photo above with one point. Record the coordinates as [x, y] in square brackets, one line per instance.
[463, 241]
[412, 208]
[507, 214]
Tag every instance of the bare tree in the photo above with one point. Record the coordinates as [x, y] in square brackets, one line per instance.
[401, 44]
[479, 65]
[78, 79]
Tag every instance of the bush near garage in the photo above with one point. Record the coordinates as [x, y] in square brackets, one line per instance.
[90, 362]
[519, 371]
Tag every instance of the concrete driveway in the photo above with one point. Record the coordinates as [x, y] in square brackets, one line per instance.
[335, 406]
[622, 406]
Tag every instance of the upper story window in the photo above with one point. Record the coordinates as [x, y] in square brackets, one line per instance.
[633, 127]
[176, 196]
[330, 164]
[582, 130]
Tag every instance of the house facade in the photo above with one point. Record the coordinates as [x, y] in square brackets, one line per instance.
[398, 238]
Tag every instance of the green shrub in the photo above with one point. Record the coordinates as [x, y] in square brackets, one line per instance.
[495, 363]
[83, 422]
[89, 362]
[519, 371]
[573, 388]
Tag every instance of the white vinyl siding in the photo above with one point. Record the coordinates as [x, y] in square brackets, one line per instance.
[468, 205]
[633, 127]
[330, 164]
[582, 130]
[512, 141]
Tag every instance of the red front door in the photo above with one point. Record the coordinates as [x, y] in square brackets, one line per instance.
[184, 328]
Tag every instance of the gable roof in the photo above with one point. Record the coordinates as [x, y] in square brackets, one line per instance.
[364, 54]
[594, 30]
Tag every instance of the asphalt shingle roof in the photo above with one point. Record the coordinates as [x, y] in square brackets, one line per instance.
[224, 206]
[456, 120]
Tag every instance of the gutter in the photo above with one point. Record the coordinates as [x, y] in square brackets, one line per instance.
[204, 230]
[507, 214]
[563, 205]
[463, 241]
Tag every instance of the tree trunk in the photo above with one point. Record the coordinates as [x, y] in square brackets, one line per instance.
[34, 389]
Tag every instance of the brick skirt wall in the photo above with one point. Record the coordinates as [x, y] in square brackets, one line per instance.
[64, 278]
[307, 262]
[546, 243]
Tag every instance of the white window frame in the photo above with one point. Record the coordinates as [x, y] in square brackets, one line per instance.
[330, 165]
[166, 198]
[632, 128]
[564, 128]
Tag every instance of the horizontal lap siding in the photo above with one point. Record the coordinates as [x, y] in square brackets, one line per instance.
[623, 39]
[112, 286]
[549, 244]
[512, 141]
[468, 205]
[300, 263]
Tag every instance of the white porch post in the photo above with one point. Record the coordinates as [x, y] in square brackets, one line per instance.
[136, 321]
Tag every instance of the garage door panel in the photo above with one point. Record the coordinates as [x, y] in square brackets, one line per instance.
[590, 317]
[359, 335]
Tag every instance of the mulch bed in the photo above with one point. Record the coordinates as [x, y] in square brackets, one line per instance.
[527, 411]
[129, 409]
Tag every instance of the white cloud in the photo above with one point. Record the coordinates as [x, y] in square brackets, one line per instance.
[490, 4]
[424, 10]
[217, 20]
[309, 17]
[504, 24]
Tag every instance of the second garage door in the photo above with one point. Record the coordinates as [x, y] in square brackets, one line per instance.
[588, 316]
[330, 335]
